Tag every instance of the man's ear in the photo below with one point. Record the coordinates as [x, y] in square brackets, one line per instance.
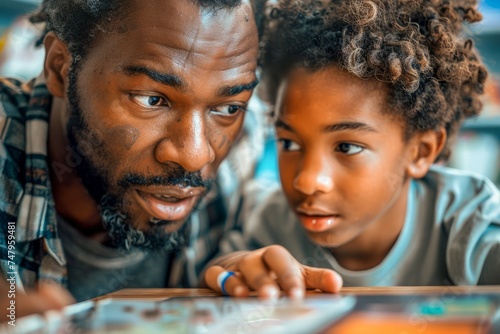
[426, 147]
[57, 64]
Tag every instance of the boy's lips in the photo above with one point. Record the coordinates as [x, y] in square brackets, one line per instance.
[316, 219]
[318, 223]
[171, 204]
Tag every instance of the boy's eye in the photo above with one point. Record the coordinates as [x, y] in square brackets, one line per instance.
[148, 101]
[288, 145]
[228, 110]
[349, 149]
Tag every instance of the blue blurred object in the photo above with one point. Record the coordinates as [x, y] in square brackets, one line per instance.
[11, 9]
[492, 3]
[267, 167]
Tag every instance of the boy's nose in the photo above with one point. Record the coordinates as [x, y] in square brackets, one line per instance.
[314, 176]
[186, 143]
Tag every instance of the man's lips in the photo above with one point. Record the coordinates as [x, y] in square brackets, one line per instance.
[173, 192]
[170, 204]
[317, 219]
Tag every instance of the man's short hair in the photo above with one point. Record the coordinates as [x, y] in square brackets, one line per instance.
[77, 22]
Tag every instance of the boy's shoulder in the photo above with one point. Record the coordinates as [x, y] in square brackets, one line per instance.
[459, 201]
[467, 207]
[460, 185]
[449, 173]
[453, 197]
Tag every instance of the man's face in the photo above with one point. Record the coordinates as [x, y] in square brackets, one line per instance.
[155, 107]
[342, 157]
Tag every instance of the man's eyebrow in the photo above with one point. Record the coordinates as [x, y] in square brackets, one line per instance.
[235, 90]
[358, 126]
[163, 78]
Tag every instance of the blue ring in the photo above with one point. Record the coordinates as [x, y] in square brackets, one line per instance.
[223, 283]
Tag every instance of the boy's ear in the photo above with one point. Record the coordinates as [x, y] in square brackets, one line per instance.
[57, 64]
[425, 149]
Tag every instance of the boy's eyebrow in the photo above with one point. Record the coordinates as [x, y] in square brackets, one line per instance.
[358, 126]
[162, 78]
[280, 124]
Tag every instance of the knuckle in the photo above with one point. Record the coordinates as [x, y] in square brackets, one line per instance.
[277, 250]
[246, 261]
[211, 271]
[291, 277]
[260, 280]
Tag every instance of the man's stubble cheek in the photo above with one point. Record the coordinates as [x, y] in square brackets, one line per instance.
[223, 142]
[102, 160]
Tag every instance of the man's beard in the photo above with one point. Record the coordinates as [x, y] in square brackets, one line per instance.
[116, 219]
[125, 237]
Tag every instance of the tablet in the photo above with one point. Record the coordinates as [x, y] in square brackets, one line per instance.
[192, 315]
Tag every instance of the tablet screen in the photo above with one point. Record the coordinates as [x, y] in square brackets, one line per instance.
[193, 315]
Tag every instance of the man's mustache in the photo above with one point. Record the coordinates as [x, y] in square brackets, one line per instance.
[173, 177]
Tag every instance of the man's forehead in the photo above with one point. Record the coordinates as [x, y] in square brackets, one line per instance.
[186, 15]
[214, 50]
[184, 27]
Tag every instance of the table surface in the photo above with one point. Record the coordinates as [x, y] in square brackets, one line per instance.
[361, 320]
[159, 294]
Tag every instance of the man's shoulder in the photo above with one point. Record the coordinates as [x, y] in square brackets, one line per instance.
[261, 195]
[274, 207]
[14, 97]
[13, 86]
[276, 201]
[274, 222]
[14, 101]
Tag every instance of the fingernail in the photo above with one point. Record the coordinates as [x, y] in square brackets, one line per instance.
[239, 291]
[270, 291]
[340, 282]
[296, 293]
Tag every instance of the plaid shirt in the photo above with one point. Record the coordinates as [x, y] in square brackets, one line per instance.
[31, 248]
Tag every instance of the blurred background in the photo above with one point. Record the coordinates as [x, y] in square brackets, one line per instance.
[477, 148]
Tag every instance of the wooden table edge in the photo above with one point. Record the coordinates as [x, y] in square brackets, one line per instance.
[163, 293]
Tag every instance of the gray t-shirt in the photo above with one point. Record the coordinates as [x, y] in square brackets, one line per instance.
[451, 235]
[95, 269]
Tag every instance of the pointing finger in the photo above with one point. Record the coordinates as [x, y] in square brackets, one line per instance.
[258, 276]
[324, 279]
[287, 270]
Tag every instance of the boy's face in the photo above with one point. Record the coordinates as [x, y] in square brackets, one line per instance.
[342, 158]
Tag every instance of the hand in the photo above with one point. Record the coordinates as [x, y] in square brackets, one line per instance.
[269, 270]
[47, 297]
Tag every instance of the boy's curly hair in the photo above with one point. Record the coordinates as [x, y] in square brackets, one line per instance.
[417, 47]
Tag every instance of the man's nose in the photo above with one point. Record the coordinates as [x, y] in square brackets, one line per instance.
[314, 175]
[186, 143]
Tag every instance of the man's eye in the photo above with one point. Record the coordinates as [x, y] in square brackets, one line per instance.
[288, 145]
[349, 149]
[228, 110]
[149, 101]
